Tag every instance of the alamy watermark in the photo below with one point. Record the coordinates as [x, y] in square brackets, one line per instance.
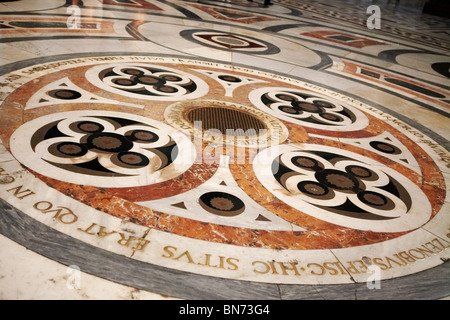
[374, 279]
[374, 21]
[73, 22]
[73, 281]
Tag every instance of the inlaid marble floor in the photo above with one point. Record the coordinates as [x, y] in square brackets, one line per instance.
[223, 150]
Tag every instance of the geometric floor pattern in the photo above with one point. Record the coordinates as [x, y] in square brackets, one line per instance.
[223, 150]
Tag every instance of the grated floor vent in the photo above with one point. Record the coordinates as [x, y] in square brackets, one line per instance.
[227, 121]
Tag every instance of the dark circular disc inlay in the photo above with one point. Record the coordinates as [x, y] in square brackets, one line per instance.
[222, 204]
[65, 94]
[109, 142]
[72, 149]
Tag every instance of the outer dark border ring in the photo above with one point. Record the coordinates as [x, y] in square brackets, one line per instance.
[48, 242]
[271, 49]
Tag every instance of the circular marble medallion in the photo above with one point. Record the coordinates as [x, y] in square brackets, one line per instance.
[310, 185]
[343, 187]
[226, 123]
[229, 41]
